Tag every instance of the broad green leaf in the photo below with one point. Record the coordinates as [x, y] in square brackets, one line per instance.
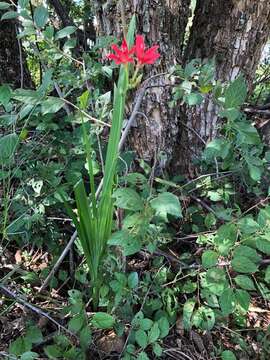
[8, 144]
[214, 195]
[23, 3]
[204, 318]
[263, 218]
[121, 278]
[157, 349]
[263, 243]
[9, 15]
[255, 172]
[186, 86]
[189, 287]
[46, 81]
[210, 220]
[84, 99]
[133, 280]
[164, 327]
[128, 199]
[4, 5]
[20, 346]
[226, 238]
[194, 99]
[246, 133]
[102, 320]
[68, 30]
[29, 97]
[242, 297]
[248, 252]
[236, 93]
[8, 119]
[215, 281]
[228, 355]
[244, 282]
[227, 301]
[141, 338]
[29, 355]
[146, 324]
[34, 335]
[244, 265]
[231, 114]
[85, 338]
[166, 204]
[53, 351]
[16, 225]
[154, 333]
[142, 356]
[135, 219]
[76, 323]
[25, 110]
[192, 68]
[5, 94]
[130, 244]
[209, 259]
[187, 313]
[51, 105]
[41, 16]
[136, 179]
[248, 226]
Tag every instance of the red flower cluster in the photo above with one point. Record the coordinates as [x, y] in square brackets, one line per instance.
[143, 56]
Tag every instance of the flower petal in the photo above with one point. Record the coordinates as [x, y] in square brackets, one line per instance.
[116, 49]
[140, 46]
[124, 46]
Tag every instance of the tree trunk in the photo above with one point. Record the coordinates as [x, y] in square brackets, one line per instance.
[163, 23]
[13, 68]
[234, 32]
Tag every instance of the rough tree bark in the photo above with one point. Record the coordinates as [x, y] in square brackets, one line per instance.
[234, 32]
[13, 68]
[162, 22]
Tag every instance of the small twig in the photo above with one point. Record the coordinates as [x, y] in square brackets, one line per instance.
[194, 131]
[60, 94]
[9, 356]
[203, 204]
[217, 169]
[265, 112]
[170, 352]
[58, 218]
[71, 261]
[100, 154]
[261, 202]
[58, 262]
[19, 299]
[263, 107]
[99, 122]
[21, 57]
[224, 173]
[174, 259]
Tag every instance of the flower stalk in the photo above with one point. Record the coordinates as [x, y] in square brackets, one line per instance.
[94, 219]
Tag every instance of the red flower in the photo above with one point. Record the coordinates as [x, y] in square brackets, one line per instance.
[144, 56]
[123, 54]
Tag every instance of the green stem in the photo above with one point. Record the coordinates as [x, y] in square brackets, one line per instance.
[87, 146]
[133, 80]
